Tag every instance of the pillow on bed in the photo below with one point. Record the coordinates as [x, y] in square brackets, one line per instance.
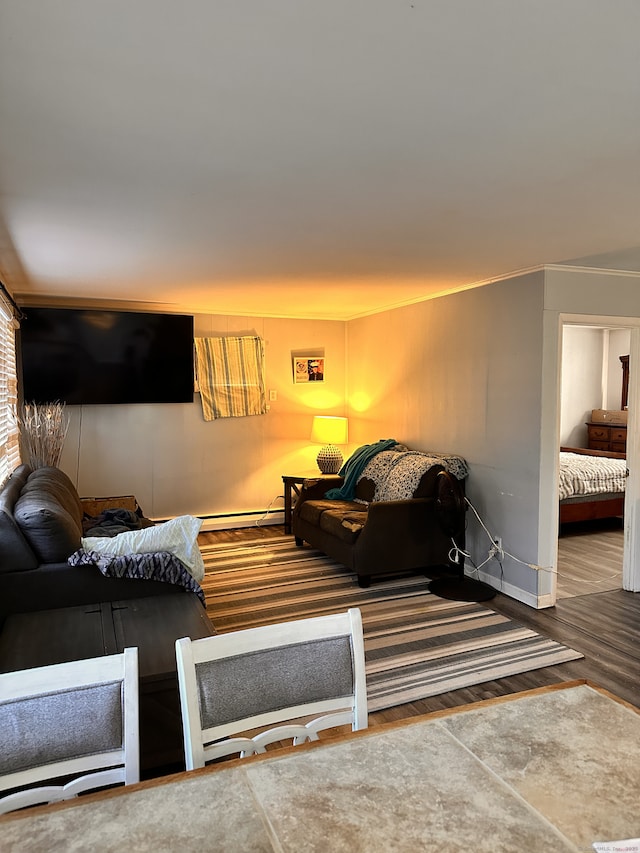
[178, 537]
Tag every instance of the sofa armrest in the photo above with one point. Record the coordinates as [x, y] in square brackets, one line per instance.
[314, 489]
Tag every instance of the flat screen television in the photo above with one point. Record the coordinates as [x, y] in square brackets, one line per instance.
[80, 356]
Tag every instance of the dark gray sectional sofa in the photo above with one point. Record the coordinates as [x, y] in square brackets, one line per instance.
[40, 527]
[51, 611]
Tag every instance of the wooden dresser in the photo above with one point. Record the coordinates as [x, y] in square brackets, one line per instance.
[611, 437]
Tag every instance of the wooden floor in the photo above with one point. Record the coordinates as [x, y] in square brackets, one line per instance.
[604, 626]
[590, 557]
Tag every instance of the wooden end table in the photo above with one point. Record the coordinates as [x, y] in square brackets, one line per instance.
[292, 482]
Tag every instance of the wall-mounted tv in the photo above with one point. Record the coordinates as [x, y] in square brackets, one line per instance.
[80, 356]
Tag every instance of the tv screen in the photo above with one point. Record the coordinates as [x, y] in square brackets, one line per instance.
[80, 356]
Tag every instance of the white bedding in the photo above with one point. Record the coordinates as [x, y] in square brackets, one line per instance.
[590, 475]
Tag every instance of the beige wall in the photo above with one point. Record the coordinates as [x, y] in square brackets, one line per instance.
[462, 373]
[478, 373]
[176, 463]
[475, 373]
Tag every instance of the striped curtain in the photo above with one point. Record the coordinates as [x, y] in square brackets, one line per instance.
[231, 377]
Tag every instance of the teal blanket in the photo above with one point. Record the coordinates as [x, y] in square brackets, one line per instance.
[355, 465]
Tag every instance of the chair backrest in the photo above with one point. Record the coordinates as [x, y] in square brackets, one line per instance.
[67, 719]
[246, 680]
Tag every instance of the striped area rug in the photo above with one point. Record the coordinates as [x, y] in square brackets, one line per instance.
[416, 644]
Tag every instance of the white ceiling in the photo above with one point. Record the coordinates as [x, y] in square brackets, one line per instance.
[319, 158]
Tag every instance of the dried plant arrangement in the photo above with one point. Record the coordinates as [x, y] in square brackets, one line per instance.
[43, 429]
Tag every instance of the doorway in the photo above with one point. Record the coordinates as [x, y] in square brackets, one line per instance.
[594, 376]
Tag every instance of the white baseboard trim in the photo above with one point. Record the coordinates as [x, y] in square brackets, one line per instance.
[244, 519]
[249, 519]
[528, 598]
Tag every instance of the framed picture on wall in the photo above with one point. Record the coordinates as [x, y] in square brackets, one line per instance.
[308, 369]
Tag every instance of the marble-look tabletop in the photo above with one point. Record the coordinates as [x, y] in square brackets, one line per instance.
[555, 769]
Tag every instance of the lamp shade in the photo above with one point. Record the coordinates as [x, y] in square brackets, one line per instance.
[329, 431]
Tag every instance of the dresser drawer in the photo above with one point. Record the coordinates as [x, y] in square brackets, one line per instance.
[599, 433]
[611, 437]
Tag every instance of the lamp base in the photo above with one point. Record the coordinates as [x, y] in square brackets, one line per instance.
[329, 459]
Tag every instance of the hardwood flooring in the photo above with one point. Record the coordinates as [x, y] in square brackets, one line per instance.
[603, 625]
[590, 557]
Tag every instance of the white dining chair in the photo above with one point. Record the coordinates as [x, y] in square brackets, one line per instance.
[76, 719]
[233, 684]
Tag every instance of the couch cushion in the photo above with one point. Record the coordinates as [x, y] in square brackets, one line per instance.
[312, 511]
[344, 526]
[56, 484]
[16, 555]
[49, 515]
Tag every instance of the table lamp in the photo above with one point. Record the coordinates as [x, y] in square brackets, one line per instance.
[329, 431]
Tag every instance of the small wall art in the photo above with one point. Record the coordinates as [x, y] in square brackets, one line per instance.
[308, 369]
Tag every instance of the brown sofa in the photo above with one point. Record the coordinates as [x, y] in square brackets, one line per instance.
[390, 525]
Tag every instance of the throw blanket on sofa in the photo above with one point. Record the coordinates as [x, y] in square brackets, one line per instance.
[355, 465]
[159, 566]
[404, 471]
[111, 522]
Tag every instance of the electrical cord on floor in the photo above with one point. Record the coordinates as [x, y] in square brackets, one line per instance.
[568, 577]
[456, 552]
[476, 569]
[494, 550]
[268, 510]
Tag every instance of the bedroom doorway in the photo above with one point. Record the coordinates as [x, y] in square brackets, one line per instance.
[594, 376]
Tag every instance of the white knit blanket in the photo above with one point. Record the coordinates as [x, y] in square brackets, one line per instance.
[590, 475]
[397, 475]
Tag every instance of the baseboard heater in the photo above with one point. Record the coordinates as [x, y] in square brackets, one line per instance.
[259, 518]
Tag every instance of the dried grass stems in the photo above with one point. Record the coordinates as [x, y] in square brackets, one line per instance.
[43, 429]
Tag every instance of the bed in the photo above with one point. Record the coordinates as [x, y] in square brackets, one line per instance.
[591, 484]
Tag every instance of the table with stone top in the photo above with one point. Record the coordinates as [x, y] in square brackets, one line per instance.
[551, 769]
